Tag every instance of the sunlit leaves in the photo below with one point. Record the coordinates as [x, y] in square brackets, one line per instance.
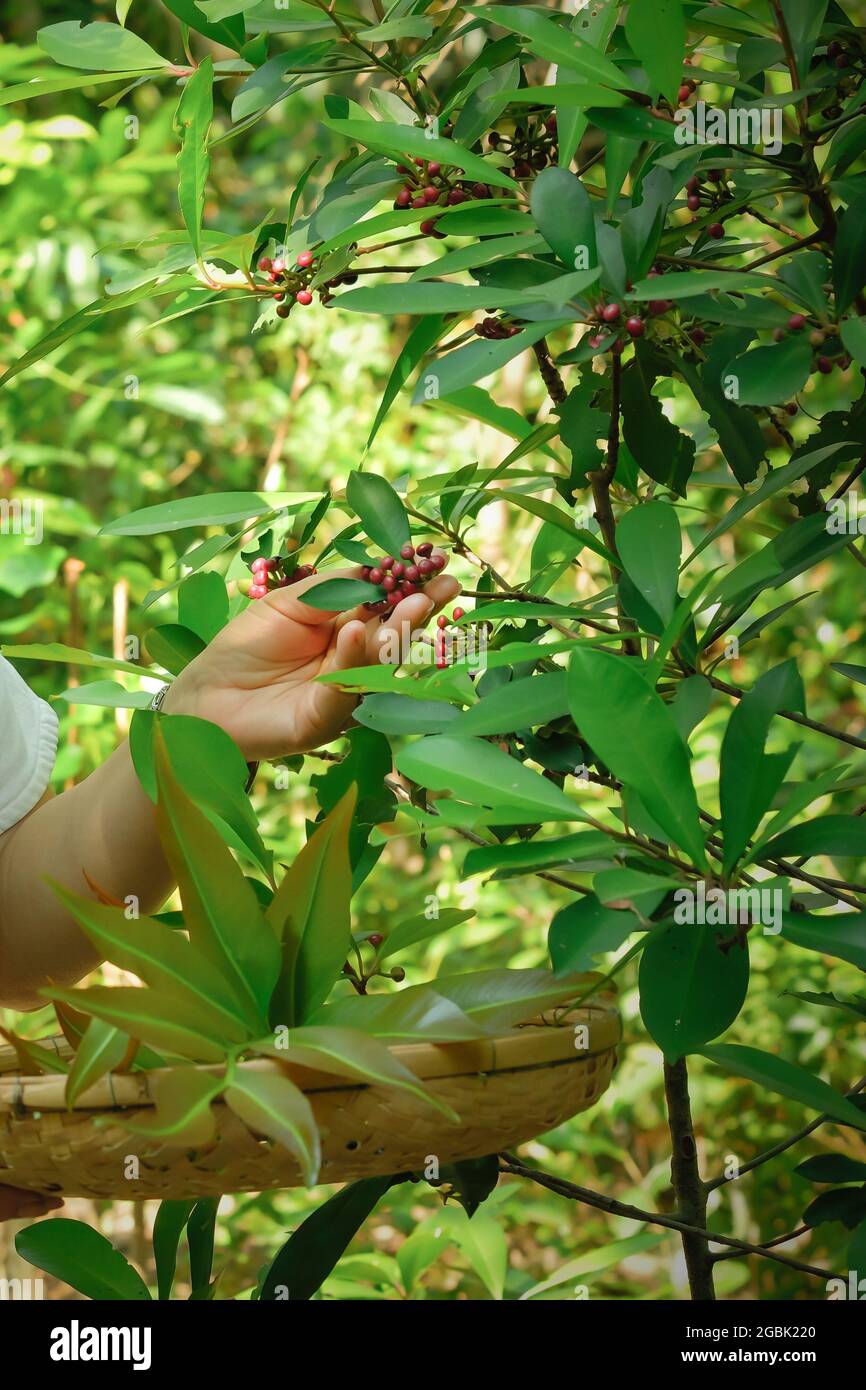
[192, 123]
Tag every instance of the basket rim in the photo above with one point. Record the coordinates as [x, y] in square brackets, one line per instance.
[540, 1042]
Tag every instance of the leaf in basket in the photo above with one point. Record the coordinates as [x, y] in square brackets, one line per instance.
[102, 1050]
[179, 1030]
[275, 1106]
[163, 958]
[421, 928]
[182, 1098]
[417, 1014]
[200, 1237]
[81, 1258]
[502, 998]
[221, 912]
[73, 1025]
[310, 915]
[168, 1227]
[309, 1255]
[346, 1052]
[34, 1060]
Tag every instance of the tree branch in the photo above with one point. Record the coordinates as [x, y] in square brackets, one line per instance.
[686, 1180]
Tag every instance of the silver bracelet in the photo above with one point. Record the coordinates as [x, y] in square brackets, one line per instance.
[156, 702]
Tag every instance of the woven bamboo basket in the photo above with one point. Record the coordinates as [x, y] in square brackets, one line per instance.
[506, 1090]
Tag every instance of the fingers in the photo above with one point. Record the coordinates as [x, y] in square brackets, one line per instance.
[289, 601]
[16, 1203]
[351, 645]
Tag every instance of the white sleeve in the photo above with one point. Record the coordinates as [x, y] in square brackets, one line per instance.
[28, 744]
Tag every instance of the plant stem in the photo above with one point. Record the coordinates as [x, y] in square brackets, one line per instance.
[690, 1192]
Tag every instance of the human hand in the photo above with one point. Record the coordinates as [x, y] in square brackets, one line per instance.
[17, 1203]
[257, 678]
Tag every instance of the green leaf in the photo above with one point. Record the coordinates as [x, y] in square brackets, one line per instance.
[379, 509]
[554, 43]
[656, 31]
[449, 374]
[482, 1241]
[181, 1030]
[853, 334]
[396, 714]
[173, 646]
[310, 914]
[105, 695]
[421, 928]
[203, 604]
[26, 91]
[347, 1052]
[501, 999]
[428, 296]
[485, 775]
[273, 1105]
[310, 1254]
[182, 1112]
[690, 990]
[844, 835]
[520, 704]
[79, 1256]
[854, 673]
[101, 47]
[784, 1079]
[163, 958]
[423, 336]
[192, 123]
[586, 929]
[739, 432]
[339, 595]
[750, 778]
[168, 1226]
[804, 20]
[101, 1050]
[419, 1013]
[649, 543]
[563, 213]
[230, 32]
[658, 447]
[213, 509]
[523, 856]
[849, 259]
[676, 285]
[770, 375]
[211, 769]
[831, 1168]
[200, 1238]
[398, 141]
[628, 725]
[221, 913]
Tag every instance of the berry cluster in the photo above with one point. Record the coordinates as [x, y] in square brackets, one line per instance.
[399, 578]
[496, 328]
[274, 572]
[702, 198]
[531, 148]
[293, 283]
[440, 645]
[427, 186]
[687, 90]
[823, 362]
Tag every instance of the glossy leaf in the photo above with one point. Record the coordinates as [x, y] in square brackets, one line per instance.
[585, 929]
[182, 1112]
[101, 1050]
[690, 990]
[379, 509]
[101, 47]
[785, 1079]
[81, 1257]
[656, 31]
[272, 1105]
[484, 774]
[168, 1226]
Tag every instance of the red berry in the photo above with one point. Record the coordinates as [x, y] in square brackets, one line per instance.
[397, 569]
[428, 227]
[842, 61]
[481, 190]
[716, 175]
[418, 159]
[684, 92]
[791, 408]
[278, 266]
[438, 562]
[389, 583]
[403, 199]
[693, 184]
[441, 621]
[779, 334]
[457, 613]
[824, 365]
[304, 297]
[259, 563]
[407, 589]
[419, 202]
[550, 125]
[716, 230]
[698, 335]
[493, 139]
[283, 311]
[693, 202]
[305, 259]
[365, 571]
[611, 312]
[635, 327]
[426, 567]
[796, 322]
[376, 576]
[658, 306]
[430, 193]
[594, 340]
[407, 551]
[413, 574]
[433, 168]
[456, 196]
[425, 548]
[375, 938]
[386, 562]
[257, 590]
[265, 264]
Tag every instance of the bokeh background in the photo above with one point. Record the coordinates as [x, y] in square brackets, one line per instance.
[136, 411]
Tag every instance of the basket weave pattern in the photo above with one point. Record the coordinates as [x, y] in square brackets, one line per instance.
[506, 1090]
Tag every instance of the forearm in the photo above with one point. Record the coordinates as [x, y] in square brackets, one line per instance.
[105, 827]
